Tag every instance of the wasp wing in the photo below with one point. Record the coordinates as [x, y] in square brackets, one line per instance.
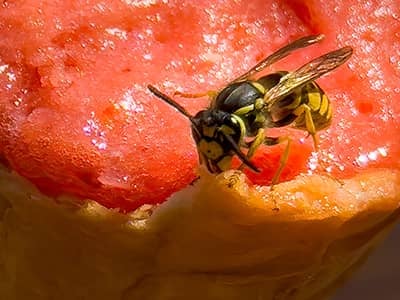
[280, 54]
[308, 72]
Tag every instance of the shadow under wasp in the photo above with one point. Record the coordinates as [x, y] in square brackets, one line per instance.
[240, 112]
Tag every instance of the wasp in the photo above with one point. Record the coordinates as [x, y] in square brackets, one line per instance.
[238, 115]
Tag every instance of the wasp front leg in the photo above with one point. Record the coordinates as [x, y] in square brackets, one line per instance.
[210, 94]
[254, 144]
[269, 141]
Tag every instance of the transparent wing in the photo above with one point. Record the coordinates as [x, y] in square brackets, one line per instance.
[280, 54]
[310, 71]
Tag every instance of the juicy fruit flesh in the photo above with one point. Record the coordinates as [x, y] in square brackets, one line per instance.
[76, 116]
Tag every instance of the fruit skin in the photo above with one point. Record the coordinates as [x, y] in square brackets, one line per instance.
[218, 239]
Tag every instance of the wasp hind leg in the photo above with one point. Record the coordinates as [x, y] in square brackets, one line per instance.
[309, 122]
[310, 127]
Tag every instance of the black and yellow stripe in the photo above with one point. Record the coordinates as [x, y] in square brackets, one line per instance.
[313, 97]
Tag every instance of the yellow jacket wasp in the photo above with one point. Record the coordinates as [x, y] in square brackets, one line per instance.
[246, 107]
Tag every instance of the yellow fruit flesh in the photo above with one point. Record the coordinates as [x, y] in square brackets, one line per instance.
[219, 239]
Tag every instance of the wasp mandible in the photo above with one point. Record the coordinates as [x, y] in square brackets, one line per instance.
[245, 107]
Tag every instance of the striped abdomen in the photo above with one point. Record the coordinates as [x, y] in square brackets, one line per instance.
[312, 96]
[291, 109]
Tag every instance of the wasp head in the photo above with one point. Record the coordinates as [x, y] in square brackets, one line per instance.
[218, 136]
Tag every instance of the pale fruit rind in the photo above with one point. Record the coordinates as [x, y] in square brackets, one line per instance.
[218, 239]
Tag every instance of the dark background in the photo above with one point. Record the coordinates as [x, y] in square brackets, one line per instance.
[379, 278]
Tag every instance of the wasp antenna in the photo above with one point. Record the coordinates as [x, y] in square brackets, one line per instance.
[347, 51]
[240, 154]
[319, 37]
[170, 101]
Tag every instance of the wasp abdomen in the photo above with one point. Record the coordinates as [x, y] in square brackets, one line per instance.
[313, 97]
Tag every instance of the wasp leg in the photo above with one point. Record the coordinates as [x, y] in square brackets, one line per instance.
[283, 160]
[254, 144]
[306, 110]
[210, 94]
[257, 141]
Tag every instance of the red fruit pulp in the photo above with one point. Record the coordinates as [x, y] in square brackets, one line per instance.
[76, 116]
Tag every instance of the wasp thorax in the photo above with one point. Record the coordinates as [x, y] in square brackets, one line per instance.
[237, 95]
